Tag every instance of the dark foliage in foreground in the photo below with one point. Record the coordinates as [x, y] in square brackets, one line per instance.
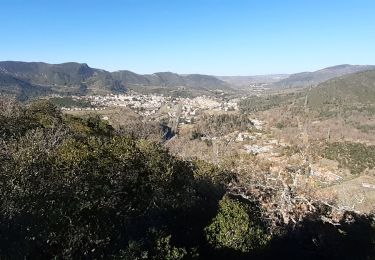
[76, 188]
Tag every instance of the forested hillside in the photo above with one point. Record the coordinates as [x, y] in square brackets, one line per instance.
[26, 80]
[356, 89]
[74, 188]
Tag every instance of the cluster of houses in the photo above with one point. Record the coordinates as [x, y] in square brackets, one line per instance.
[147, 105]
[187, 109]
[82, 108]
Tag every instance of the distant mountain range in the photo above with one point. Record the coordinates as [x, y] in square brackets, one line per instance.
[243, 81]
[169, 79]
[28, 79]
[304, 79]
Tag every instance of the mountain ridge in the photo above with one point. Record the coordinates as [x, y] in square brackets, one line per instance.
[29, 79]
[243, 81]
[304, 79]
[21, 78]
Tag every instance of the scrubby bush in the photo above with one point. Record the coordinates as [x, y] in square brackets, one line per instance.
[237, 226]
[356, 157]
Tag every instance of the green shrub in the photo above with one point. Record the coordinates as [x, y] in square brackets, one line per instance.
[236, 227]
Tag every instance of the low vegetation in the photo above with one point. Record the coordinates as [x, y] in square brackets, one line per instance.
[356, 157]
[262, 103]
[216, 125]
[69, 102]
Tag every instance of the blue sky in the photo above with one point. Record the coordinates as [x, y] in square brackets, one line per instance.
[221, 37]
